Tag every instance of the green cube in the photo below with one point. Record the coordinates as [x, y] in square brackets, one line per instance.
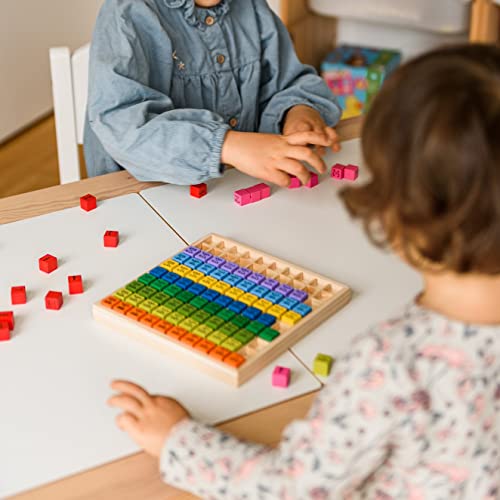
[200, 316]
[185, 296]
[149, 305]
[231, 344]
[244, 336]
[226, 314]
[135, 286]
[215, 322]
[212, 308]
[134, 299]
[172, 290]
[199, 302]
[228, 329]
[123, 293]
[269, 334]
[322, 365]
[158, 285]
[160, 298]
[175, 318]
[255, 327]
[240, 321]
[147, 279]
[174, 304]
[163, 311]
[217, 338]
[147, 292]
[189, 324]
[187, 310]
[203, 331]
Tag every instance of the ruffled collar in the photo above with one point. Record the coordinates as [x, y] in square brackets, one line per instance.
[189, 9]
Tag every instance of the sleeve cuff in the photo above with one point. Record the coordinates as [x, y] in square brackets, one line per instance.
[215, 166]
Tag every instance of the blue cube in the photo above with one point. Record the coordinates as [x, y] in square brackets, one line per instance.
[197, 289]
[193, 263]
[206, 269]
[232, 279]
[260, 291]
[266, 319]
[289, 303]
[210, 295]
[181, 258]
[237, 307]
[184, 283]
[158, 272]
[219, 274]
[224, 301]
[302, 309]
[274, 297]
[170, 277]
[251, 313]
[245, 285]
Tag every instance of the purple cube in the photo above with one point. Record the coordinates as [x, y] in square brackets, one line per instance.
[284, 290]
[192, 251]
[204, 256]
[256, 278]
[299, 295]
[217, 261]
[242, 272]
[270, 284]
[229, 267]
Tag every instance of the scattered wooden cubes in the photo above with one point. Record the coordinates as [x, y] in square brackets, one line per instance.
[281, 376]
[88, 202]
[47, 263]
[252, 194]
[294, 183]
[7, 317]
[18, 295]
[53, 300]
[4, 331]
[338, 171]
[111, 239]
[351, 172]
[198, 190]
[322, 365]
[313, 181]
[75, 285]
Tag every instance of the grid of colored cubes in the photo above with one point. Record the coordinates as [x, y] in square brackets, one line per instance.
[252, 194]
[210, 304]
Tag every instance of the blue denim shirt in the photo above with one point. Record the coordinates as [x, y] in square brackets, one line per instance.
[169, 79]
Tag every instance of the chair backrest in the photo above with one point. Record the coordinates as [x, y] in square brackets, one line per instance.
[70, 78]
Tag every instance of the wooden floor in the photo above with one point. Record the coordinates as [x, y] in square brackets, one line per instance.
[29, 161]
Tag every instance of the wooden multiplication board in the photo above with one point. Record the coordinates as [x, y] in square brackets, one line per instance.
[225, 308]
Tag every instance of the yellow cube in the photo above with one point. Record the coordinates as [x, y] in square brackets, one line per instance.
[182, 270]
[248, 299]
[221, 287]
[208, 282]
[169, 265]
[195, 276]
[291, 318]
[276, 311]
[234, 293]
[263, 305]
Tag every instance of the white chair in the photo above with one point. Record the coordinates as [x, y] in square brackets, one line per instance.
[70, 77]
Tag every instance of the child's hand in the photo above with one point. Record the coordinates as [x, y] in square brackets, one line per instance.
[305, 119]
[147, 419]
[274, 157]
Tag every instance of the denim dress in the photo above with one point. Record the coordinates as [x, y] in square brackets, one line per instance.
[168, 80]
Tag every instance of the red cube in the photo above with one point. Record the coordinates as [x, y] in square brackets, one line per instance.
[4, 331]
[199, 190]
[7, 317]
[47, 263]
[54, 300]
[18, 295]
[88, 202]
[75, 284]
[111, 239]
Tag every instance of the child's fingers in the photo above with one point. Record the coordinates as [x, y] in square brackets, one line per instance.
[295, 168]
[131, 389]
[334, 137]
[278, 178]
[126, 403]
[308, 155]
[305, 138]
[127, 422]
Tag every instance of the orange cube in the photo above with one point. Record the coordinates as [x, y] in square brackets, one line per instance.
[122, 307]
[234, 359]
[163, 326]
[204, 346]
[149, 320]
[135, 313]
[110, 302]
[177, 332]
[190, 339]
[219, 353]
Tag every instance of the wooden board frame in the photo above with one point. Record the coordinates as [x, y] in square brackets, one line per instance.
[328, 296]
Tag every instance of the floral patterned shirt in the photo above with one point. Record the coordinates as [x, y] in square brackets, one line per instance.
[411, 412]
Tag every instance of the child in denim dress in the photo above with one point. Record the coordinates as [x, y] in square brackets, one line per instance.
[412, 411]
[179, 89]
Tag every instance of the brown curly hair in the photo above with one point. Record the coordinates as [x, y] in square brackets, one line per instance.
[432, 144]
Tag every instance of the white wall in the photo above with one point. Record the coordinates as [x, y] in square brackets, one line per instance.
[27, 29]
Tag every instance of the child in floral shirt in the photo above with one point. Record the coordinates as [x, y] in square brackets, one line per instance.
[413, 410]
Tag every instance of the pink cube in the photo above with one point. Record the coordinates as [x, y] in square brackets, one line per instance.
[313, 181]
[338, 171]
[254, 193]
[281, 376]
[351, 172]
[242, 197]
[265, 190]
[294, 183]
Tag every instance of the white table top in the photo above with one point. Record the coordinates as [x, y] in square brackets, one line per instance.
[309, 227]
[56, 370]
